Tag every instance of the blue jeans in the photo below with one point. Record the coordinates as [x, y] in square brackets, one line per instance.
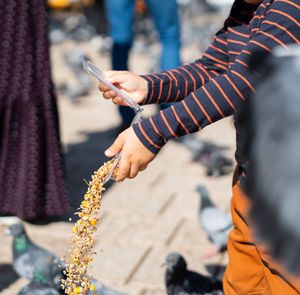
[165, 16]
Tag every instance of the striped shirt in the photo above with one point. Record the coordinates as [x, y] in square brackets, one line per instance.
[215, 86]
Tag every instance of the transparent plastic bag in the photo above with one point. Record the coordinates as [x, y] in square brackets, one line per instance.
[98, 74]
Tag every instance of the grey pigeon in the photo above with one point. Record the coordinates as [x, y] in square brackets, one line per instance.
[35, 288]
[216, 223]
[181, 281]
[208, 154]
[84, 83]
[101, 289]
[33, 262]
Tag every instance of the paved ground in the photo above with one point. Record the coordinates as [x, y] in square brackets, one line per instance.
[142, 219]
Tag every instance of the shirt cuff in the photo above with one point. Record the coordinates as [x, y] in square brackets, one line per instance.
[150, 89]
[148, 134]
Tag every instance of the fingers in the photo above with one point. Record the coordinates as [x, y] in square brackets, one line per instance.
[143, 167]
[124, 169]
[127, 170]
[114, 97]
[119, 101]
[133, 85]
[134, 158]
[116, 77]
[115, 147]
[109, 94]
[134, 170]
[103, 87]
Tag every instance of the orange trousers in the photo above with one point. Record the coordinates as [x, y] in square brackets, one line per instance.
[250, 269]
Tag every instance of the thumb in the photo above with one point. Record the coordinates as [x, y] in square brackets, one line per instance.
[115, 147]
[116, 77]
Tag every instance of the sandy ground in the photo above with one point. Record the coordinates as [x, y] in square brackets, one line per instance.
[142, 219]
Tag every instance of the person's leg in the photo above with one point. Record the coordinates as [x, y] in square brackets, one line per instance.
[250, 270]
[120, 17]
[166, 19]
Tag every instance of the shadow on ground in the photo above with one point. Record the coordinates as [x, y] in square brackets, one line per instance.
[7, 276]
[82, 159]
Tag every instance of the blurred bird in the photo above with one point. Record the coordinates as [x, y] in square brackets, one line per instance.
[209, 155]
[33, 262]
[216, 223]
[35, 288]
[101, 289]
[181, 281]
[41, 267]
[84, 83]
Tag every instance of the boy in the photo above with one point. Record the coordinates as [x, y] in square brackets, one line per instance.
[207, 90]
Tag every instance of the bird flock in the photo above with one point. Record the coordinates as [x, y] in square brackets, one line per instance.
[43, 269]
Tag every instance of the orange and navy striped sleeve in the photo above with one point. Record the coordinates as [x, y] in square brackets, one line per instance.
[216, 85]
[176, 84]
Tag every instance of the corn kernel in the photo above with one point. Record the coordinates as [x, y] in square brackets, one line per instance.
[84, 204]
[85, 217]
[93, 221]
[93, 287]
[77, 290]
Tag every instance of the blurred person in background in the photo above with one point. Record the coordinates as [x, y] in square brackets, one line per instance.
[207, 90]
[32, 184]
[120, 14]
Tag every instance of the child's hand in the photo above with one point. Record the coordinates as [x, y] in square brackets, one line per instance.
[135, 86]
[135, 156]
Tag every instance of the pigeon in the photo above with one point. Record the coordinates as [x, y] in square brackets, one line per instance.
[84, 83]
[181, 281]
[216, 223]
[101, 289]
[216, 163]
[33, 262]
[208, 154]
[35, 288]
[41, 267]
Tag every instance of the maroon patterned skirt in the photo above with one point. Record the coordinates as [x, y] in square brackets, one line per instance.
[32, 181]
